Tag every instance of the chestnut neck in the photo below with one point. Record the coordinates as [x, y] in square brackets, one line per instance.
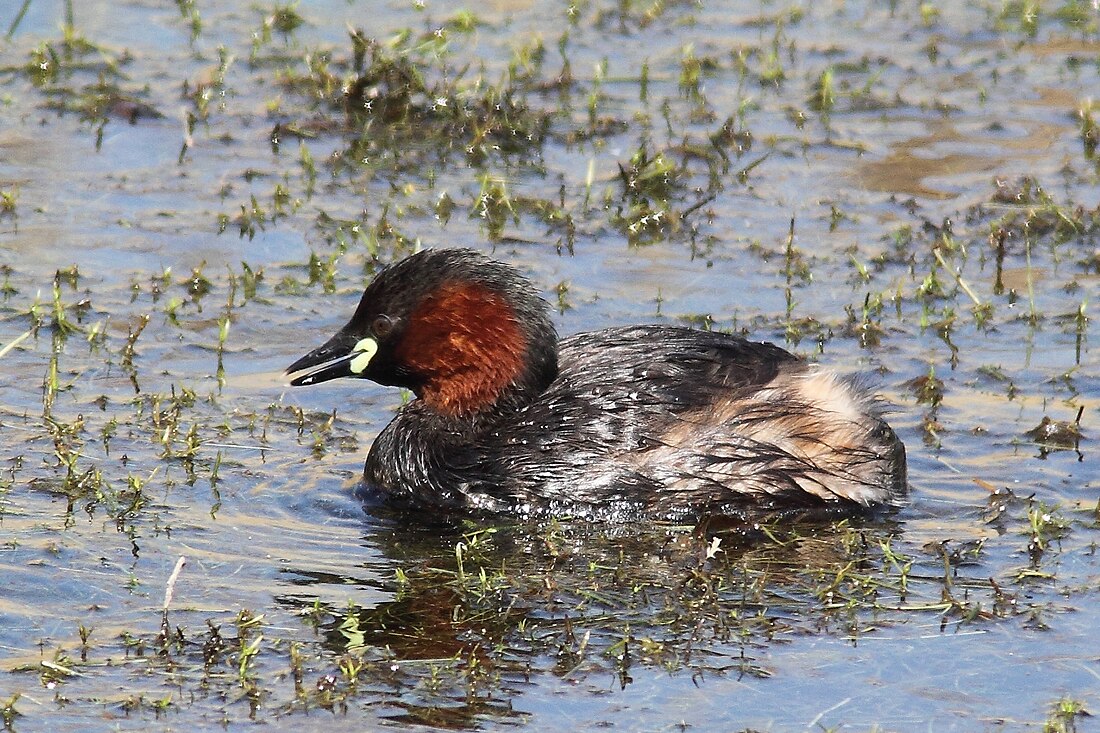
[475, 352]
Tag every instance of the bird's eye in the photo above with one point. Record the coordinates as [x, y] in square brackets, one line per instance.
[381, 326]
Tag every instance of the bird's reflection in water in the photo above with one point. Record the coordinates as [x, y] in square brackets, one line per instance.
[479, 609]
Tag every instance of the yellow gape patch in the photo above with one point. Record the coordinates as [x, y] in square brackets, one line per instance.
[363, 352]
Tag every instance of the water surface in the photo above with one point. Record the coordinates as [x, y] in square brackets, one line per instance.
[188, 207]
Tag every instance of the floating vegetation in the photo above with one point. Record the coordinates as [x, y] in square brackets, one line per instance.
[1055, 434]
[392, 93]
[80, 77]
[8, 199]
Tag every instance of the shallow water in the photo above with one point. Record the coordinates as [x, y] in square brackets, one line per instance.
[951, 130]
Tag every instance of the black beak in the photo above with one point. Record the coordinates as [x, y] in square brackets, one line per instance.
[331, 361]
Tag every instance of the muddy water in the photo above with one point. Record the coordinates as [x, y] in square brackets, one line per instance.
[947, 129]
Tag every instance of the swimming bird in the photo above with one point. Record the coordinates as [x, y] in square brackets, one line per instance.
[645, 421]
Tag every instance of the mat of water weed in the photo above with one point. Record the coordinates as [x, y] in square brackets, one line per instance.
[191, 196]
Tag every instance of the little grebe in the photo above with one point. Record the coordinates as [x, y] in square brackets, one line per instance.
[638, 421]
